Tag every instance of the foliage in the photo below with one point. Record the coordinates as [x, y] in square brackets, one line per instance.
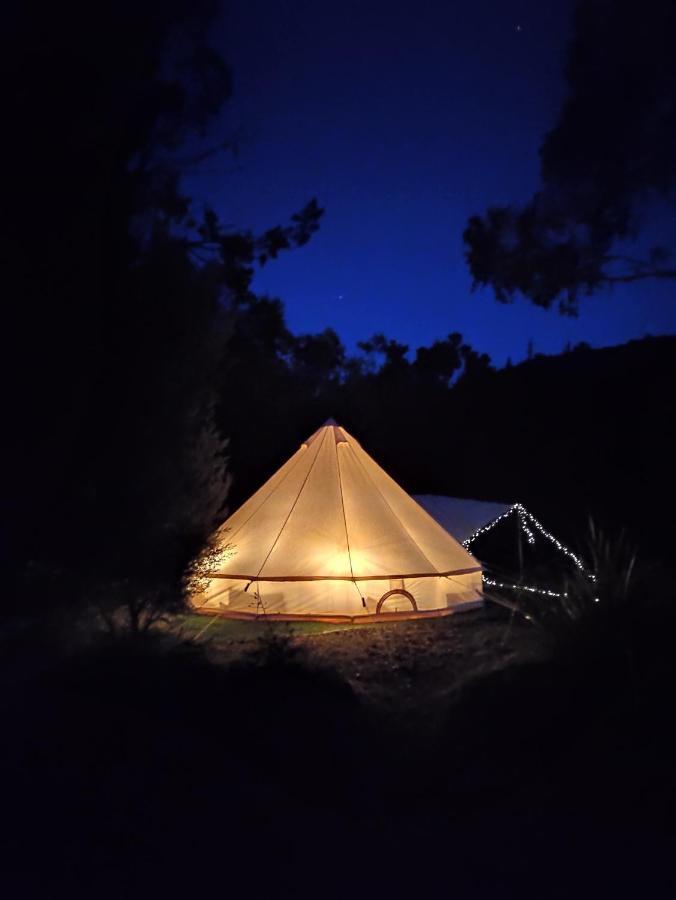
[239, 251]
[587, 596]
[276, 647]
[213, 552]
[123, 314]
[611, 154]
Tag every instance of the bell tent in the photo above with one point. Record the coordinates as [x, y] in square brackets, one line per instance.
[330, 534]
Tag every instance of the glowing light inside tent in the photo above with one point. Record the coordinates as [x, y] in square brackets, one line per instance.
[324, 535]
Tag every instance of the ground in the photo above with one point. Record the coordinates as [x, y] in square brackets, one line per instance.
[406, 671]
[299, 753]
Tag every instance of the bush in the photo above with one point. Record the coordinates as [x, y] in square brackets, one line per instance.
[140, 749]
[587, 730]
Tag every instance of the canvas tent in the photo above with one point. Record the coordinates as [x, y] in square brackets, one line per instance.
[331, 534]
[460, 517]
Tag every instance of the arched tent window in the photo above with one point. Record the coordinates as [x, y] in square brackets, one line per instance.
[394, 595]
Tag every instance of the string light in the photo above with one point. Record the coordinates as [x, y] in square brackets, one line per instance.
[525, 587]
[485, 528]
[526, 519]
[522, 587]
[522, 519]
[550, 537]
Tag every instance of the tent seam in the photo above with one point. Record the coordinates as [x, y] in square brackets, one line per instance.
[293, 506]
[399, 522]
[263, 502]
[342, 504]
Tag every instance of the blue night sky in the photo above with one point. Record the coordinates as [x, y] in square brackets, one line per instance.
[402, 119]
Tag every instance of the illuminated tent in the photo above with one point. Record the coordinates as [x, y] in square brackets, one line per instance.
[331, 534]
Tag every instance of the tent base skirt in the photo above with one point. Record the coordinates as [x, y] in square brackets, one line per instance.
[342, 620]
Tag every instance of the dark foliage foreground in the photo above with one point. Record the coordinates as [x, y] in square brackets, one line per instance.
[138, 765]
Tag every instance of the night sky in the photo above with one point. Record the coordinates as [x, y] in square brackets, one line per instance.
[403, 120]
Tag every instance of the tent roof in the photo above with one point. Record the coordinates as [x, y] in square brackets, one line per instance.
[461, 517]
[330, 512]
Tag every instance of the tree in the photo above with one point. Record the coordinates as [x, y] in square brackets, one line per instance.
[607, 164]
[475, 365]
[240, 251]
[120, 303]
[319, 357]
[440, 361]
[390, 353]
[97, 101]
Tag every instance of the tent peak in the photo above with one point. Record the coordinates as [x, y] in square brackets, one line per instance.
[339, 434]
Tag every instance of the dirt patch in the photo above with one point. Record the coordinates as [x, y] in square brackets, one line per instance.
[405, 671]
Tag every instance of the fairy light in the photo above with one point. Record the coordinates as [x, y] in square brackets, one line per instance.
[550, 537]
[522, 587]
[524, 527]
[526, 587]
[526, 520]
[486, 528]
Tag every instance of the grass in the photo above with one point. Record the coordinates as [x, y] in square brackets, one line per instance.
[235, 631]
[403, 671]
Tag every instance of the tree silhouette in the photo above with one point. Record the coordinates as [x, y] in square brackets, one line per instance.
[605, 166]
[441, 360]
[119, 301]
[390, 353]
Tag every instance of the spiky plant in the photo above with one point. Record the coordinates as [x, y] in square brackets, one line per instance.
[591, 604]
